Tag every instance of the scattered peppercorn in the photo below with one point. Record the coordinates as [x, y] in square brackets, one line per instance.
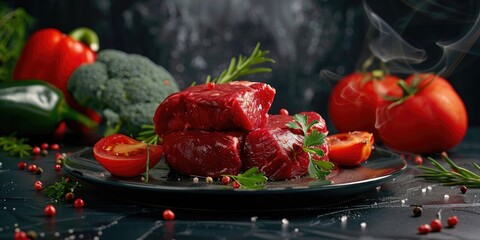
[22, 165]
[168, 215]
[225, 180]
[55, 147]
[417, 211]
[436, 225]
[78, 203]
[32, 235]
[452, 221]
[39, 170]
[50, 210]
[44, 146]
[69, 196]
[44, 152]
[463, 189]
[424, 229]
[209, 180]
[36, 150]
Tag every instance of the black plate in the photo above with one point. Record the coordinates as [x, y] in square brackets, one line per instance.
[168, 189]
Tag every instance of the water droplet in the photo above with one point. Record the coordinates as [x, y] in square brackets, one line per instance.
[80, 236]
[14, 209]
[15, 225]
[285, 221]
[71, 237]
[96, 238]
[424, 190]
[446, 197]
[56, 234]
[343, 218]
[429, 187]
[70, 231]
[42, 234]
[253, 219]
[379, 188]
[99, 233]
[296, 230]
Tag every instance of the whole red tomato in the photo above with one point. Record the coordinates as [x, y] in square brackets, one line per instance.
[351, 148]
[355, 98]
[430, 117]
[124, 156]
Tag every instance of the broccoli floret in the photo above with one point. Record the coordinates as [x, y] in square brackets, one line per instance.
[124, 88]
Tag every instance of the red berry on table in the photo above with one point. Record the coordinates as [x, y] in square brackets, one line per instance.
[452, 221]
[20, 235]
[38, 185]
[50, 210]
[284, 112]
[225, 180]
[424, 229]
[235, 184]
[22, 165]
[55, 147]
[168, 215]
[58, 167]
[418, 160]
[436, 225]
[463, 189]
[44, 146]
[32, 168]
[36, 150]
[69, 196]
[78, 203]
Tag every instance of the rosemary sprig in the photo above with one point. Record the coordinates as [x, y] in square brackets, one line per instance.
[58, 189]
[243, 66]
[14, 146]
[250, 179]
[316, 168]
[148, 135]
[456, 176]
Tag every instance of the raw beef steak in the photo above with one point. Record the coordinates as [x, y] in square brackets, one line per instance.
[277, 150]
[201, 153]
[215, 107]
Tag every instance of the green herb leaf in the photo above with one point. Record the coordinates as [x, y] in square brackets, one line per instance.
[58, 189]
[148, 135]
[456, 176]
[243, 66]
[250, 179]
[316, 168]
[15, 147]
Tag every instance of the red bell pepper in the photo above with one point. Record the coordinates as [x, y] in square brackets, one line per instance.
[52, 56]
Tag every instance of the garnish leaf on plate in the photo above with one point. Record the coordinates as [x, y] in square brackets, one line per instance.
[316, 168]
[250, 179]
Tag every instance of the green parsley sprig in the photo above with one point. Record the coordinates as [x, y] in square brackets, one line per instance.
[148, 135]
[250, 179]
[453, 177]
[14, 146]
[243, 66]
[316, 168]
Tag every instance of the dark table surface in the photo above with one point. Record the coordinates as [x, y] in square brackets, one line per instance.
[384, 212]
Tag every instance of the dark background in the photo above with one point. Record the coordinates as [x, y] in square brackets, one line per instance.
[314, 43]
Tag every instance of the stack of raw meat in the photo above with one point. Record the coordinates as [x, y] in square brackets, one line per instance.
[215, 129]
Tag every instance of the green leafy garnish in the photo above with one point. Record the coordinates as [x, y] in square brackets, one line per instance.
[148, 135]
[58, 189]
[316, 168]
[243, 66]
[456, 176]
[14, 146]
[250, 179]
[15, 24]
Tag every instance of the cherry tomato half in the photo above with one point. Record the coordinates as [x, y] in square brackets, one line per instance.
[350, 149]
[124, 156]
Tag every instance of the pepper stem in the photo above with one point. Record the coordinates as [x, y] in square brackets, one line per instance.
[68, 113]
[86, 36]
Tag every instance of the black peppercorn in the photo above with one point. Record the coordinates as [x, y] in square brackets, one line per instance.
[417, 211]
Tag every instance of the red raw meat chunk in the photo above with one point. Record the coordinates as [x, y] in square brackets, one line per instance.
[201, 153]
[277, 150]
[215, 107]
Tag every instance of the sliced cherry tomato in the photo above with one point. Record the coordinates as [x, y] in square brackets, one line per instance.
[350, 149]
[124, 156]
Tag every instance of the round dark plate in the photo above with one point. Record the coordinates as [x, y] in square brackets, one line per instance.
[166, 188]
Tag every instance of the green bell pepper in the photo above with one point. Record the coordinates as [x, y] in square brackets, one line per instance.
[34, 107]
